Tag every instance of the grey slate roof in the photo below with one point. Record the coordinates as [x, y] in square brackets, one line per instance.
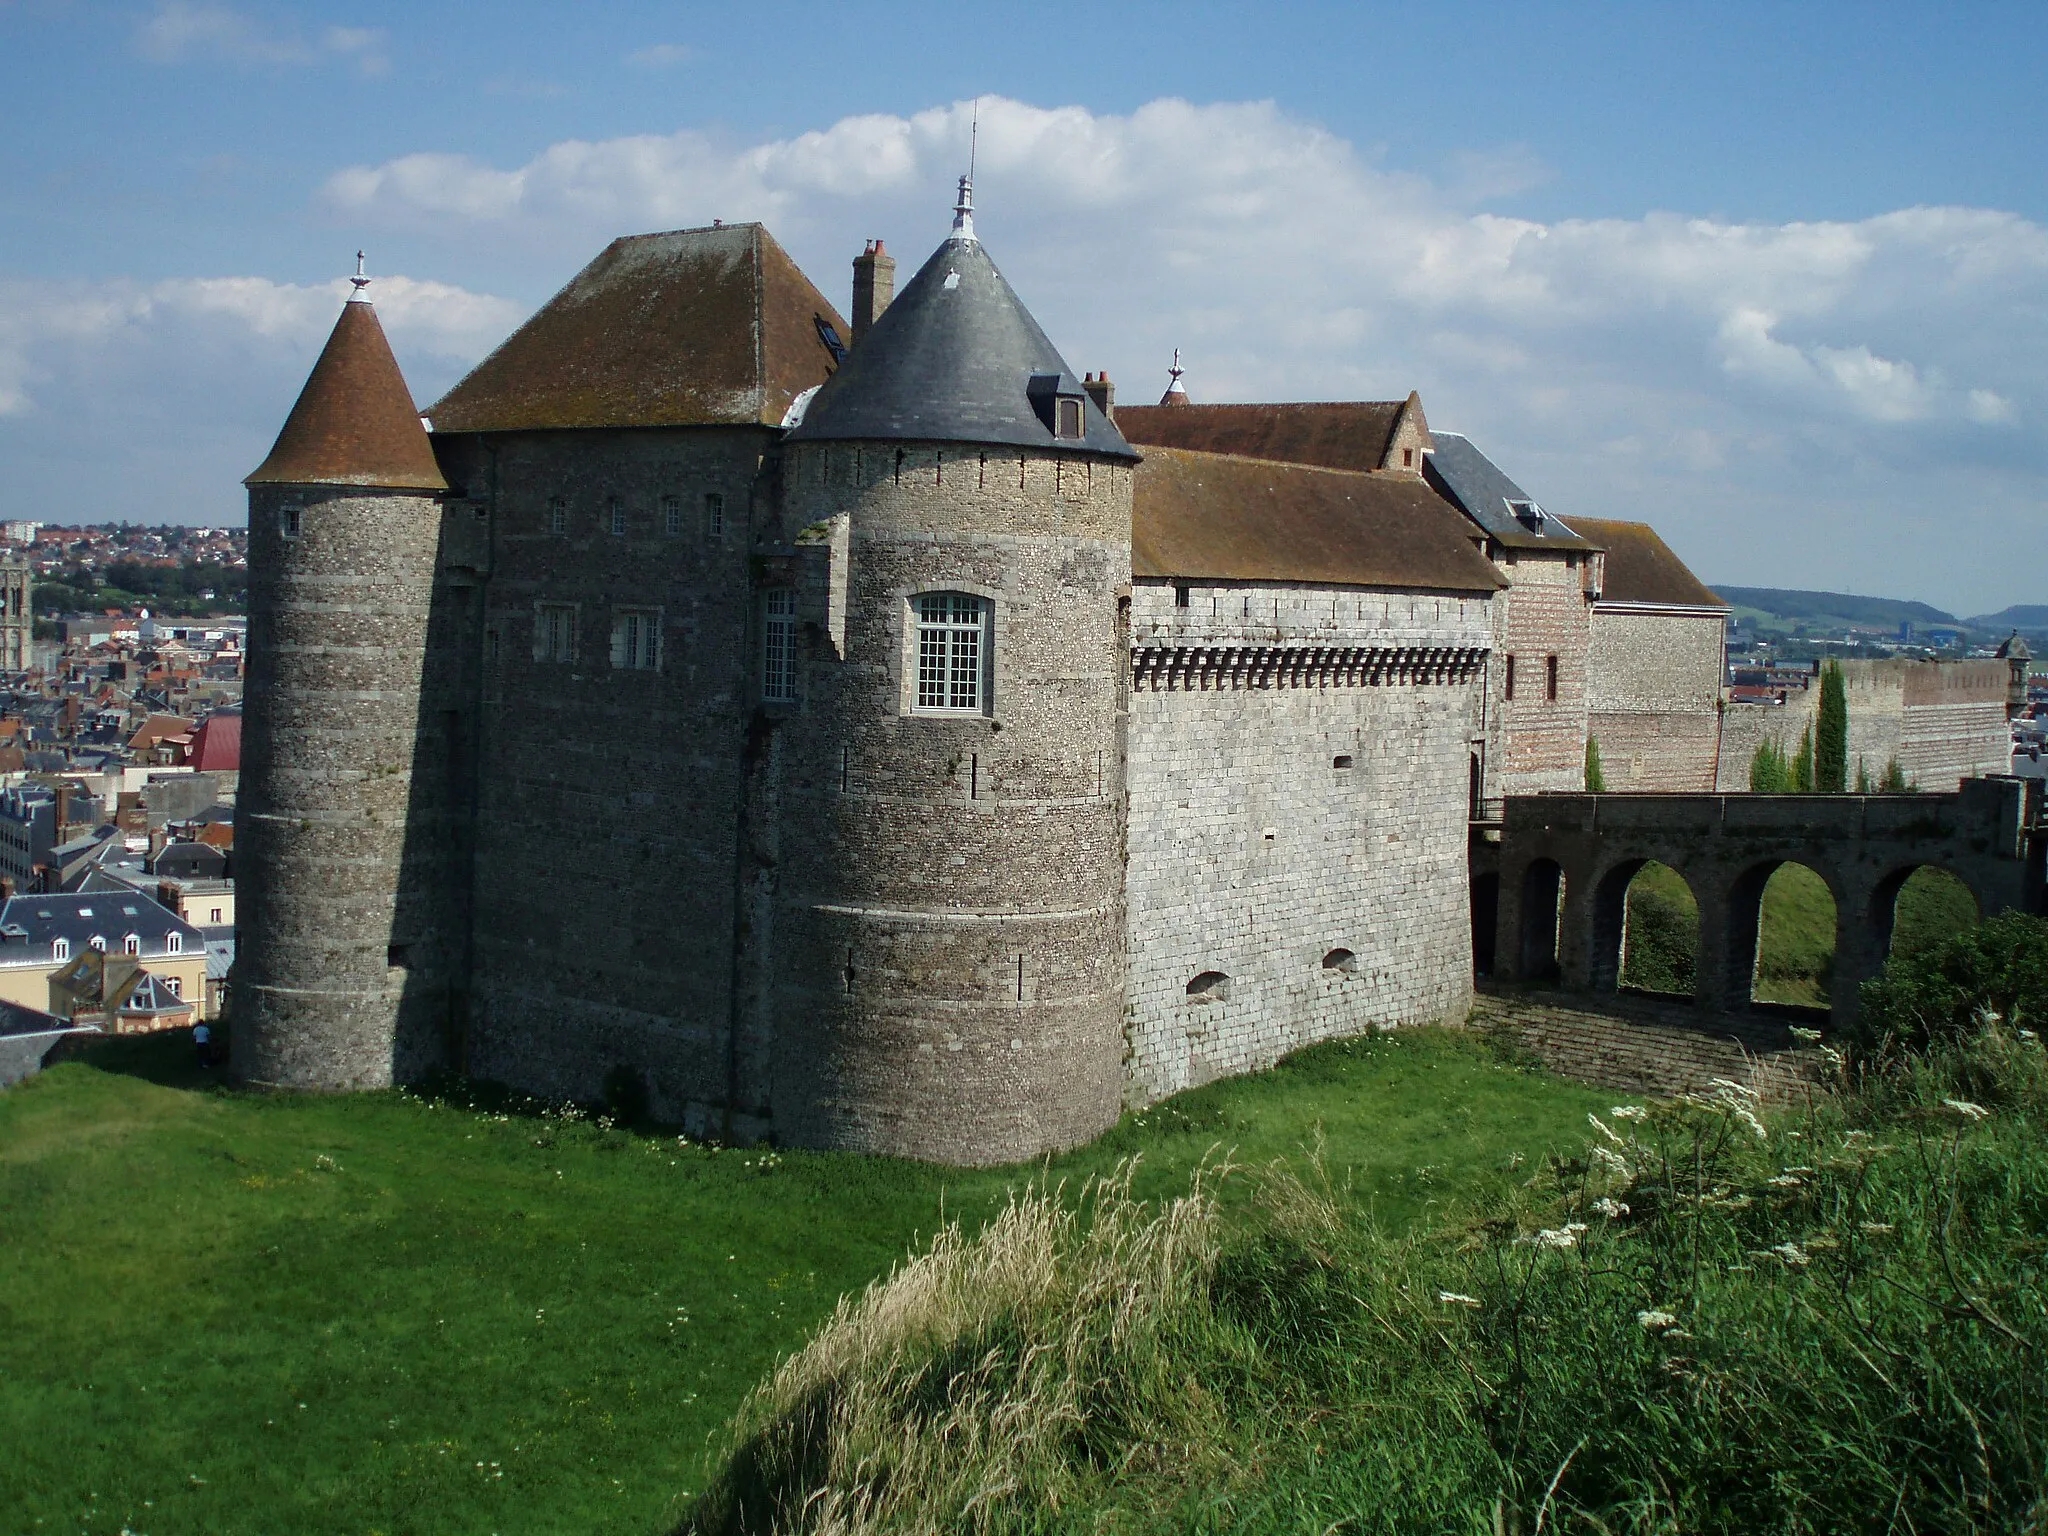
[1473, 482]
[30, 924]
[952, 360]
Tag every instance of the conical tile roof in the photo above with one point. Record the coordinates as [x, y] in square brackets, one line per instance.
[354, 423]
[954, 359]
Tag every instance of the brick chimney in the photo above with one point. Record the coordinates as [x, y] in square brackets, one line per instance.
[1102, 392]
[874, 285]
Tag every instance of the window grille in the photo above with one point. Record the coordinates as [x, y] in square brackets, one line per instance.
[558, 515]
[636, 639]
[60, 949]
[173, 986]
[554, 632]
[132, 944]
[714, 515]
[173, 943]
[778, 646]
[618, 510]
[288, 522]
[952, 650]
[672, 515]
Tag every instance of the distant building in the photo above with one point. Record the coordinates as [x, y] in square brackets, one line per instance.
[40, 935]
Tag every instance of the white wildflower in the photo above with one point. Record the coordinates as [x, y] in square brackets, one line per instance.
[1809, 1036]
[1457, 1299]
[1792, 1254]
[1629, 1112]
[1655, 1319]
[1743, 1114]
[1786, 1181]
[1611, 1161]
[1610, 1208]
[1599, 1125]
[1966, 1109]
[1566, 1236]
[2028, 1035]
[1875, 1228]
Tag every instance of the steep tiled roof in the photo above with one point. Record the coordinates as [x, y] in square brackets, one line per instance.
[37, 921]
[1478, 485]
[216, 746]
[1340, 434]
[697, 327]
[1219, 517]
[1641, 567]
[354, 423]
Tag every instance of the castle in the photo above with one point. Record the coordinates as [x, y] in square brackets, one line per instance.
[866, 735]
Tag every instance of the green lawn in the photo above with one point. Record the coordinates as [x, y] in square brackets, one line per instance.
[226, 1312]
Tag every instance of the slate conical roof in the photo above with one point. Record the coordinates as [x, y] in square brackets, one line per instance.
[952, 360]
[355, 423]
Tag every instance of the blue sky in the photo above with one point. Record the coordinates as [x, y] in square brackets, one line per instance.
[1772, 277]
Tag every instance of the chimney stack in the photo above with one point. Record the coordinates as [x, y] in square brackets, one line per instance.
[1102, 392]
[874, 285]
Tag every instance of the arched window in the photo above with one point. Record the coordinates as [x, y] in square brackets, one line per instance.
[132, 944]
[1341, 961]
[953, 652]
[174, 943]
[60, 949]
[1209, 987]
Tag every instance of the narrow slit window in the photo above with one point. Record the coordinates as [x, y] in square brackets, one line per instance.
[952, 652]
[1550, 679]
[778, 646]
[714, 515]
[1511, 678]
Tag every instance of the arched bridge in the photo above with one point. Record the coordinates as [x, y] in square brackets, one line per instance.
[1565, 863]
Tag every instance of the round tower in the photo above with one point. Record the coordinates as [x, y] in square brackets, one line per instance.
[333, 984]
[949, 938]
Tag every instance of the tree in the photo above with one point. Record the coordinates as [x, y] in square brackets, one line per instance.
[1831, 733]
[1596, 781]
[1862, 778]
[1802, 765]
[1894, 780]
[1769, 773]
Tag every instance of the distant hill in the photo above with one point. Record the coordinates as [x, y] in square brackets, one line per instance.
[2018, 616]
[1837, 608]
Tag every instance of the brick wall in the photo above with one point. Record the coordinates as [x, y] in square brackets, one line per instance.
[1540, 743]
[1271, 825]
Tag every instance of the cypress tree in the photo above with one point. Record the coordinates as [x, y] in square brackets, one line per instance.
[1802, 765]
[1831, 733]
[1596, 781]
[1768, 772]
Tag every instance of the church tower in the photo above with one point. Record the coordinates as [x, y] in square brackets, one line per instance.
[344, 524]
[949, 929]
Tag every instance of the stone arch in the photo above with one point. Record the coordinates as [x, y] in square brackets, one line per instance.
[1542, 902]
[1610, 923]
[1485, 920]
[1744, 932]
[1882, 918]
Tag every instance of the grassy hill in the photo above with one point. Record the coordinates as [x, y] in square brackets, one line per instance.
[2028, 616]
[224, 1312]
[1833, 609]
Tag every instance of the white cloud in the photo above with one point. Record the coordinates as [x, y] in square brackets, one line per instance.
[181, 30]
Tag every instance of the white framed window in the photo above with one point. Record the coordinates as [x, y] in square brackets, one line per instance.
[174, 943]
[554, 632]
[99, 942]
[216, 920]
[172, 985]
[671, 515]
[952, 652]
[288, 521]
[778, 645]
[558, 515]
[636, 639]
[618, 517]
[132, 944]
[714, 515]
[60, 949]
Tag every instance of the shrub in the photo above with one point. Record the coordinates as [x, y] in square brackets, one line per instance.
[1596, 777]
[1769, 772]
[1802, 764]
[1933, 997]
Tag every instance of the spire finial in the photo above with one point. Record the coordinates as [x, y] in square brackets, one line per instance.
[361, 281]
[1176, 392]
[963, 210]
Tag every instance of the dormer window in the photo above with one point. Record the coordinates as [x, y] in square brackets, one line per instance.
[1060, 406]
[1529, 515]
[1070, 422]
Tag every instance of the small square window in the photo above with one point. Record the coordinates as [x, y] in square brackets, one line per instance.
[558, 515]
[1180, 594]
[288, 522]
[714, 515]
[554, 632]
[618, 518]
[636, 639]
[671, 515]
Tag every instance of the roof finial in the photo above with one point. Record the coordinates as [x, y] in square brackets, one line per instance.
[963, 209]
[1176, 393]
[361, 281]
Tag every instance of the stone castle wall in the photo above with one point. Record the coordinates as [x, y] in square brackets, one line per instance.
[1297, 835]
[948, 945]
[607, 798]
[1943, 720]
[1654, 694]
